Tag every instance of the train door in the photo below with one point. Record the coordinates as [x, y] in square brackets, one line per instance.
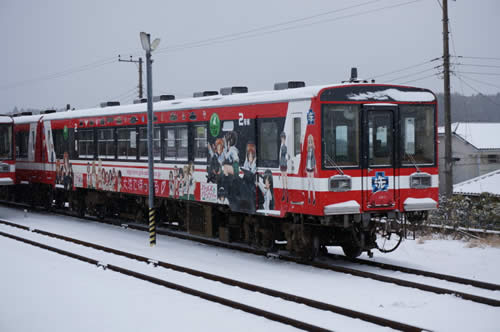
[379, 147]
[295, 126]
[39, 153]
[270, 192]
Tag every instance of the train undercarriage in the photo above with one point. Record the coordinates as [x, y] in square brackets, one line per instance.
[301, 235]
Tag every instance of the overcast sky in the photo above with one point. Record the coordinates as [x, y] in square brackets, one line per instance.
[56, 52]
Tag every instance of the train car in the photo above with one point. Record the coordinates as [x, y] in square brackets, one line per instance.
[7, 157]
[308, 167]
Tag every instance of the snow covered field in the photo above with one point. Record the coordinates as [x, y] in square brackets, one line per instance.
[43, 291]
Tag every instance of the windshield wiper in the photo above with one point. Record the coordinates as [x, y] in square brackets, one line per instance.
[412, 159]
[333, 163]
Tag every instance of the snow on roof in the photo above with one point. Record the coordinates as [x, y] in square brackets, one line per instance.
[394, 94]
[196, 103]
[489, 183]
[482, 135]
[27, 119]
[5, 119]
[259, 97]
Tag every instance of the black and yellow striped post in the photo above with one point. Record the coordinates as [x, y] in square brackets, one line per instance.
[152, 227]
[149, 47]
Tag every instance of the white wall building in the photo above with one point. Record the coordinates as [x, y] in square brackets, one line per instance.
[475, 147]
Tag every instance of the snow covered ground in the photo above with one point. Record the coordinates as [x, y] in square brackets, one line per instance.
[43, 291]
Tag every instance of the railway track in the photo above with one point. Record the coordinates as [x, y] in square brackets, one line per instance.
[352, 271]
[210, 297]
[458, 280]
[333, 267]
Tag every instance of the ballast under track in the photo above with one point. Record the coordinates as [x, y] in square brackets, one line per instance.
[231, 282]
[325, 265]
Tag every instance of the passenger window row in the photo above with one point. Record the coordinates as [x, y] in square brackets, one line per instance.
[170, 143]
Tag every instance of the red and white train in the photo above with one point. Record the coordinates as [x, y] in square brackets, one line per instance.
[311, 166]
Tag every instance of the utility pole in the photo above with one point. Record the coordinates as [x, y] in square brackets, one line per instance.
[448, 162]
[139, 61]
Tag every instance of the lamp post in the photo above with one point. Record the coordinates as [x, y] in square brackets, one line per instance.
[150, 47]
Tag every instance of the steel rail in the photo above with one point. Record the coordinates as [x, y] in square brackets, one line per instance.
[206, 296]
[358, 273]
[447, 277]
[251, 287]
[355, 272]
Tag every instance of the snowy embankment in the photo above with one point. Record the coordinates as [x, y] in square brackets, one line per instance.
[46, 292]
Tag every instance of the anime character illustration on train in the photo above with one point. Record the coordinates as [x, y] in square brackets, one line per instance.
[310, 170]
[283, 162]
[330, 165]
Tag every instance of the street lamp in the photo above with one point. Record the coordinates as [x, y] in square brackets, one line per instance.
[150, 47]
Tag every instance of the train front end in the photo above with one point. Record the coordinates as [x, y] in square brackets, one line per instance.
[379, 153]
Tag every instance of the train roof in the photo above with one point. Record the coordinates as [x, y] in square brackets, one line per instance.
[251, 98]
[5, 119]
[27, 118]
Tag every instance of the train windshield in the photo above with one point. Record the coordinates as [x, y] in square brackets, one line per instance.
[340, 135]
[417, 134]
[5, 141]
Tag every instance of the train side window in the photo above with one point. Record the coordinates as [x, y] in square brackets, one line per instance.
[143, 143]
[268, 143]
[64, 142]
[86, 143]
[296, 136]
[22, 144]
[127, 143]
[5, 142]
[200, 142]
[106, 143]
[176, 142]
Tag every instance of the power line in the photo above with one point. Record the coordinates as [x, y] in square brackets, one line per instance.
[480, 73]
[421, 78]
[475, 65]
[413, 74]
[481, 82]
[475, 57]
[479, 92]
[224, 39]
[265, 27]
[125, 93]
[90, 66]
[403, 69]
[457, 70]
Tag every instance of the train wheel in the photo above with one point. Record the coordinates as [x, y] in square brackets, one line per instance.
[101, 212]
[140, 216]
[352, 250]
[49, 199]
[356, 244]
[315, 248]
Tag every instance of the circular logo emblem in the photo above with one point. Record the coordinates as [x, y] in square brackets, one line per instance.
[214, 125]
[65, 133]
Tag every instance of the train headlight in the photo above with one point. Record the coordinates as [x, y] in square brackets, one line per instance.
[340, 183]
[420, 180]
[4, 167]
